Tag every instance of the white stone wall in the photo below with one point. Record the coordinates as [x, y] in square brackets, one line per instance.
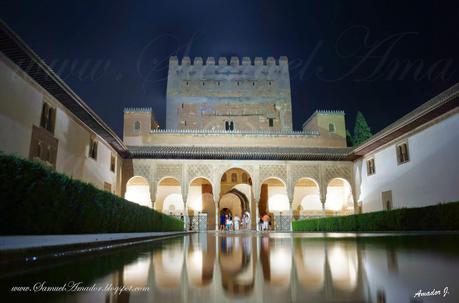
[21, 101]
[430, 177]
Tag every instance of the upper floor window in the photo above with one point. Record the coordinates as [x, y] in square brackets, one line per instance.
[93, 148]
[229, 125]
[371, 169]
[48, 117]
[271, 122]
[37, 151]
[331, 128]
[112, 163]
[402, 153]
[224, 177]
[136, 127]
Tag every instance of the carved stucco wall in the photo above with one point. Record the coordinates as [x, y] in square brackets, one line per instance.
[287, 171]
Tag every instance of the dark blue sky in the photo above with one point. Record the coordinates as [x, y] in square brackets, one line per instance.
[383, 58]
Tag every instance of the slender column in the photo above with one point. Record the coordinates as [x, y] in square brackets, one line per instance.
[217, 217]
[257, 217]
[216, 195]
[290, 205]
[185, 217]
[185, 204]
[322, 200]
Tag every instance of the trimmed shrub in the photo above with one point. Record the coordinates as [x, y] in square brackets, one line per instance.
[35, 199]
[436, 217]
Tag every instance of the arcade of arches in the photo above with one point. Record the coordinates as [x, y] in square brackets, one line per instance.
[236, 192]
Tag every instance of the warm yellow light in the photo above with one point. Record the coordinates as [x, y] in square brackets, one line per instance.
[278, 202]
[280, 265]
[196, 203]
[343, 266]
[136, 274]
[139, 194]
[173, 203]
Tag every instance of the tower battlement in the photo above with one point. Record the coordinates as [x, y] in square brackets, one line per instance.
[223, 61]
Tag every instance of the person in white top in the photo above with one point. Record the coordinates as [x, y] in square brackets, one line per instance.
[236, 222]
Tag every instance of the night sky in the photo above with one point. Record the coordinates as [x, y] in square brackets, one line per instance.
[383, 58]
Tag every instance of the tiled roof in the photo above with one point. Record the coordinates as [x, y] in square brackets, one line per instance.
[238, 153]
[271, 133]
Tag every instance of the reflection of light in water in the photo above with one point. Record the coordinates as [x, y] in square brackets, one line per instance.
[168, 267]
[343, 266]
[136, 274]
[280, 263]
[194, 267]
[310, 262]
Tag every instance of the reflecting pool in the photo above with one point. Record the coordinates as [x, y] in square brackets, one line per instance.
[252, 267]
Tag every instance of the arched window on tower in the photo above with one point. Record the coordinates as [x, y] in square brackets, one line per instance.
[137, 127]
[331, 127]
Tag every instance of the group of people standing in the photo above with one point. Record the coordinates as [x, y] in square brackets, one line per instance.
[228, 223]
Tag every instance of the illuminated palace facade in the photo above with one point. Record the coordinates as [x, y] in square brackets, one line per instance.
[228, 145]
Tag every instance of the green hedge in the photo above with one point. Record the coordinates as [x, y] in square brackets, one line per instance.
[37, 200]
[436, 217]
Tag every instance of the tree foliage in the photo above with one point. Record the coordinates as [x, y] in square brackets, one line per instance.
[361, 129]
[349, 140]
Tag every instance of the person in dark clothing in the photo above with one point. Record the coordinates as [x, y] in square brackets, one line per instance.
[222, 221]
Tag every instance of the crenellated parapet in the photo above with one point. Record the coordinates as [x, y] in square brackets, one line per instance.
[137, 110]
[223, 61]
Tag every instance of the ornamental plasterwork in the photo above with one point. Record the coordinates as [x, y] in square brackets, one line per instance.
[297, 172]
[337, 171]
[169, 170]
[200, 170]
[278, 171]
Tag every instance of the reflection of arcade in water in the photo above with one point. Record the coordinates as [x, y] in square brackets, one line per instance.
[205, 267]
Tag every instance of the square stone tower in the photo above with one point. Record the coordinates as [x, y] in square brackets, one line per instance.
[138, 121]
[331, 126]
[239, 96]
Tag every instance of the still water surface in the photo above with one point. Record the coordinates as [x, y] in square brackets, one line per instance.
[251, 267]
